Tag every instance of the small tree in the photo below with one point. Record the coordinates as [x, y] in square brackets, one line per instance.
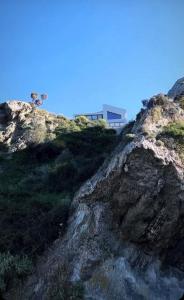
[36, 100]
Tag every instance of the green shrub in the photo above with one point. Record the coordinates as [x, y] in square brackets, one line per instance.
[101, 122]
[63, 177]
[82, 121]
[29, 223]
[35, 135]
[175, 129]
[13, 268]
[67, 126]
[38, 183]
[89, 141]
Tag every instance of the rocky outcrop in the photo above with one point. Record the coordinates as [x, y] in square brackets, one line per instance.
[177, 89]
[21, 124]
[125, 236]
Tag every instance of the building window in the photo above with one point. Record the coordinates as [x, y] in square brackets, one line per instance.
[113, 116]
[94, 117]
[116, 124]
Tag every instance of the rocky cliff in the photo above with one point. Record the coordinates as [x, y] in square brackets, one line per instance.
[125, 234]
[21, 125]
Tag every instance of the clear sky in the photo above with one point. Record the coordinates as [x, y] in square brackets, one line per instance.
[85, 53]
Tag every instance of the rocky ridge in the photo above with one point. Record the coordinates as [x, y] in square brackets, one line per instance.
[125, 235]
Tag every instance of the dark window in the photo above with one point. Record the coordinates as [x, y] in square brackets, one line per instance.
[113, 116]
[94, 117]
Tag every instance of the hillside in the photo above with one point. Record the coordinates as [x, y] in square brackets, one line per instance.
[122, 236]
[44, 159]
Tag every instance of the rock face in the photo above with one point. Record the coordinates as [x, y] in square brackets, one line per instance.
[125, 236]
[177, 89]
[21, 125]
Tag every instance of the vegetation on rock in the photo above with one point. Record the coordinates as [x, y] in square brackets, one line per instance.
[13, 268]
[175, 129]
[173, 137]
[136, 192]
[37, 185]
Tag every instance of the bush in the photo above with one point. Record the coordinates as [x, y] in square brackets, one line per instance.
[82, 121]
[63, 177]
[13, 268]
[44, 152]
[29, 223]
[102, 123]
[67, 126]
[38, 183]
[35, 135]
[175, 130]
[89, 141]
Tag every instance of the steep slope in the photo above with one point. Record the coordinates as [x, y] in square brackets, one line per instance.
[44, 159]
[125, 235]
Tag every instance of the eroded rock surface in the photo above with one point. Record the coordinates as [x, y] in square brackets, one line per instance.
[21, 125]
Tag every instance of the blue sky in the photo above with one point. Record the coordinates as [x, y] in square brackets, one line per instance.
[85, 53]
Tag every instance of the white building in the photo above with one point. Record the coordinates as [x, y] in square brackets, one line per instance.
[115, 116]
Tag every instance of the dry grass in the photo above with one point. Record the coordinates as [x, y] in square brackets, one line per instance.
[156, 114]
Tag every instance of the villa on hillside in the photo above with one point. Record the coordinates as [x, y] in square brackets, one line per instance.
[115, 116]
